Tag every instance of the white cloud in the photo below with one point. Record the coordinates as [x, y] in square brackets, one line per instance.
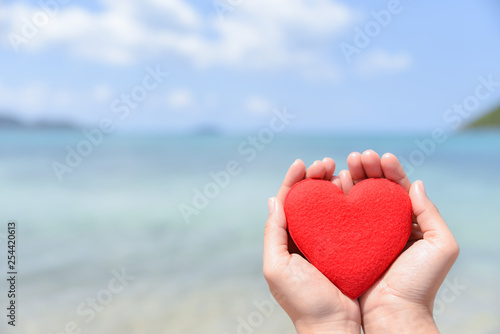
[316, 16]
[260, 35]
[180, 11]
[257, 104]
[255, 35]
[62, 99]
[30, 98]
[380, 61]
[180, 99]
[37, 100]
[101, 93]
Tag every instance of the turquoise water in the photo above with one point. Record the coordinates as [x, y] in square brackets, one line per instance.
[119, 210]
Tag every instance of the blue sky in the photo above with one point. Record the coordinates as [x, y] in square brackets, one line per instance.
[230, 69]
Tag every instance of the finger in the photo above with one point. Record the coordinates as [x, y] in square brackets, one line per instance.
[296, 172]
[394, 171]
[356, 167]
[316, 171]
[275, 234]
[435, 231]
[336, 181]
[371, 164]
[416, 233]
[427, 215]
[329, 164]
[346, 181]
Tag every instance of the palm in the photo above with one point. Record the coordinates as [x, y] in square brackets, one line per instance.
[313, 292]
[409, 284]
[408, 279]
[415, 276]
[301, 289]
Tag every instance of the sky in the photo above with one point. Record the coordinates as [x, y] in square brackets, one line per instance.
[179, 65]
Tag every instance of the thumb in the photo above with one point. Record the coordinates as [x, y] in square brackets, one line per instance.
[428, 217]
[434, 228]
[275, 234]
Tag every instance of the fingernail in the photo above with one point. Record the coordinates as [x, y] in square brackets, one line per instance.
[271, 203]
[353, 154]
[313, 164]
[421, 188]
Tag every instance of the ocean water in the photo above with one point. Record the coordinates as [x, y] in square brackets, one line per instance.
[107, 250]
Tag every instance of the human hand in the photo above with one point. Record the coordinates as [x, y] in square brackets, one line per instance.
[313, 303]
[402, 299]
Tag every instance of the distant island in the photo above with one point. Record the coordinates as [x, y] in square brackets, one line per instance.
[206, 130]
[488, 121]
[9, 122]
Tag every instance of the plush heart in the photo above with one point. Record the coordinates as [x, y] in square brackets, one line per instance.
[351, 239]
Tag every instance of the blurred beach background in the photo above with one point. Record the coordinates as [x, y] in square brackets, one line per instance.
[112, 169]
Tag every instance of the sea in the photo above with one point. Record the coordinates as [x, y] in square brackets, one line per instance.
[161, 233]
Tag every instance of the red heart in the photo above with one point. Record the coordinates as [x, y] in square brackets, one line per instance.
[351, 239]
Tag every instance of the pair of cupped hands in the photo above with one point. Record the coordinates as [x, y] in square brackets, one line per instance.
[401, 301]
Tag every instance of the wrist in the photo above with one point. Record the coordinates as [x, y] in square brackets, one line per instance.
[400, 319]
[344, 326]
